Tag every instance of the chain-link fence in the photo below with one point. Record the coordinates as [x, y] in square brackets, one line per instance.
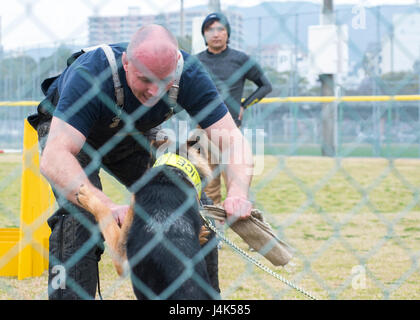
[335, 163]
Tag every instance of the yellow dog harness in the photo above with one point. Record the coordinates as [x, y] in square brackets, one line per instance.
[174, 160]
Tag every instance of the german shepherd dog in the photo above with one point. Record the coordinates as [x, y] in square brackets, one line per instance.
[161, 235]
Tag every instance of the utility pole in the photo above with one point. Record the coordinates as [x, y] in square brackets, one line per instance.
[392, 48]
[182, 19]
[214, 6]
[295, 91]
[259, 40]
[377, 126]
[329, 113]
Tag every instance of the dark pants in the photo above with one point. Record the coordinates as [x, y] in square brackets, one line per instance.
[76, 244]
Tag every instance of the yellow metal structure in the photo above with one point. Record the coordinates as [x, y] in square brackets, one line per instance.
[24, 251]
[18, 103]
[326, 99]
[9, 246]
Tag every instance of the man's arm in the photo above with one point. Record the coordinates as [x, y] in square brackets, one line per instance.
[264, 88]
[226, 135]
[59, 164]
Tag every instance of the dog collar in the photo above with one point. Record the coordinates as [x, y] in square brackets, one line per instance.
[174, 160]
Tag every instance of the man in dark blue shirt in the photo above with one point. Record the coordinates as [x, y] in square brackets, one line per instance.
[89, 131]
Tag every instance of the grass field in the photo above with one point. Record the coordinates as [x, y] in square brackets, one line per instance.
[354, 223]
[391, 150]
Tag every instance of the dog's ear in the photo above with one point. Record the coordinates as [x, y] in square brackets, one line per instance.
[191, 143]
[194, 143]
[154, 147]
[155, 144]
[199, 159]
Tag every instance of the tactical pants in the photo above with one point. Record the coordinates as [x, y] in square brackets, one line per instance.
[76, 244]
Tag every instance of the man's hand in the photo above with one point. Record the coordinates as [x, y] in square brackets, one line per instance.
[237, 208]
[119, 212]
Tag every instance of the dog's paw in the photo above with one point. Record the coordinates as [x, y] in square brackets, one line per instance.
[83, 195]
[204, 232]
[87, 199]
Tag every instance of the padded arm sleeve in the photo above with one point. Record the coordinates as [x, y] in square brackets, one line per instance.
[264, 88]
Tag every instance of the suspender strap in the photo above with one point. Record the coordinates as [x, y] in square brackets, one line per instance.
[173, 91]
[119, 92]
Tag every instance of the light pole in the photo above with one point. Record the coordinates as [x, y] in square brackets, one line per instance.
[328, 115]
[214, 5]
[182, 19]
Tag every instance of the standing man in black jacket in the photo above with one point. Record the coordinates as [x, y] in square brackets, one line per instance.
[229, 68]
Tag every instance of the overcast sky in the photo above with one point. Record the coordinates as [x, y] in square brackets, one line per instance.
[30, 23]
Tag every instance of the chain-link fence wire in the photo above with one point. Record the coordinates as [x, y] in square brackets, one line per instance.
[381, 211]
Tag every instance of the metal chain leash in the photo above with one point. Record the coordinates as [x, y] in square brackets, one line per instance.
[256, 262]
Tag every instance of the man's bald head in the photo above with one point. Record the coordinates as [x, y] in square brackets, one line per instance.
[150, 63]
[153, 49]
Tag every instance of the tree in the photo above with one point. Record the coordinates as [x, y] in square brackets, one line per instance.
[55, 63]
[21, 76]
[16, 77]
[284, 84]
[399, 83]
[185, 43]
